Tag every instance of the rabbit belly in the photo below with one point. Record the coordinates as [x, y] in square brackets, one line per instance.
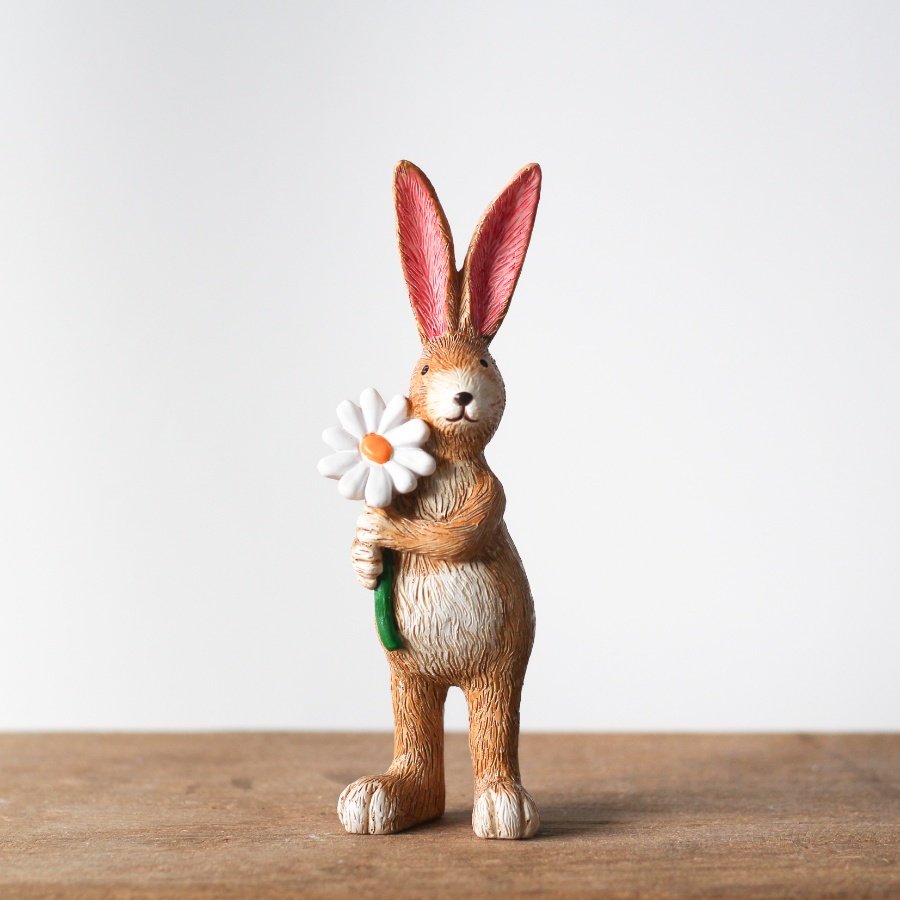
[456, 618]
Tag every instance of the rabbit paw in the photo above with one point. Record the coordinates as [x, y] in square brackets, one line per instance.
[367, 564]
[504, 809]
[383, 804]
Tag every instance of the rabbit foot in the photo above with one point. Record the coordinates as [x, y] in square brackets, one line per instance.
[504, 809]
[384, 804]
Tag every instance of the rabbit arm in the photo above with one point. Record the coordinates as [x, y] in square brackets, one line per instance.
[457, 538]
[367, 563]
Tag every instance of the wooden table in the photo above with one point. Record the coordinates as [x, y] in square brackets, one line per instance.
[252, 815]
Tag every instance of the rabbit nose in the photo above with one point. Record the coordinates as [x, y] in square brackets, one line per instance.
[463, 398]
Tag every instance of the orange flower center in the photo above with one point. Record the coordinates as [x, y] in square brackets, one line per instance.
[375, 447]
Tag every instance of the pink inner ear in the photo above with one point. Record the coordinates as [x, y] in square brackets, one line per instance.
[424, 252]
[499, 252]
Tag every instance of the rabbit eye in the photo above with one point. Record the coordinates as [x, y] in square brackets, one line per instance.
[483, 362]
[424, 369]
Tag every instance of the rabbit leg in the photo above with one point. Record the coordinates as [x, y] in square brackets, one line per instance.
[503, 808]
[412, 790]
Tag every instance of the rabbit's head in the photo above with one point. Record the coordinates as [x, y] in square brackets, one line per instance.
[456, 386]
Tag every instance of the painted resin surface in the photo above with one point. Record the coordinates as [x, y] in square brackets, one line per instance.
[461, 598]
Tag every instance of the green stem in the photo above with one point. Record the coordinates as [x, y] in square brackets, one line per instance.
[384, 604]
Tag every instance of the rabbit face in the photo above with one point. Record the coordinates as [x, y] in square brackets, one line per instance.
[457, 389]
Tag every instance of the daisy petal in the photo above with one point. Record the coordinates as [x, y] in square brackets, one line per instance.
[338, 439]
[350, 416]
[413, 458]
[411, 433]
[338, 464]
[378, 488]
[372, 408]
[404, 480]
[395, 413]
[353, 484]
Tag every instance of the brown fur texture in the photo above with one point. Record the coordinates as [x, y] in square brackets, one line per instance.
[462, 599]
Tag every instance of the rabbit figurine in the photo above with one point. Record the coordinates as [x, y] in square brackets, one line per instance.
[461, 597]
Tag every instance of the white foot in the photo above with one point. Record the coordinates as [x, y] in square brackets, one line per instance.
[365, 807]
[505, 810]
[384, 804]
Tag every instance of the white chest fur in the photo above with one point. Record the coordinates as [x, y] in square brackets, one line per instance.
[451, 615]
[454, 615]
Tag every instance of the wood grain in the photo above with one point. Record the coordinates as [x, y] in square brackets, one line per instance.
[253, 815]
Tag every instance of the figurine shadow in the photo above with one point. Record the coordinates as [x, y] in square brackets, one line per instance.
[559, 820]
[590, 816]
[561, 817]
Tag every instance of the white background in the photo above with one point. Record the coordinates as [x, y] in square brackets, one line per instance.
[700, 450]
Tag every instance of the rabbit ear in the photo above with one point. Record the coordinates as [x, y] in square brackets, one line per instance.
[497, 252]
[426, 252]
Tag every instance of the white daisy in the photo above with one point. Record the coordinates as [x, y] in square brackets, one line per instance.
[378, 449]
